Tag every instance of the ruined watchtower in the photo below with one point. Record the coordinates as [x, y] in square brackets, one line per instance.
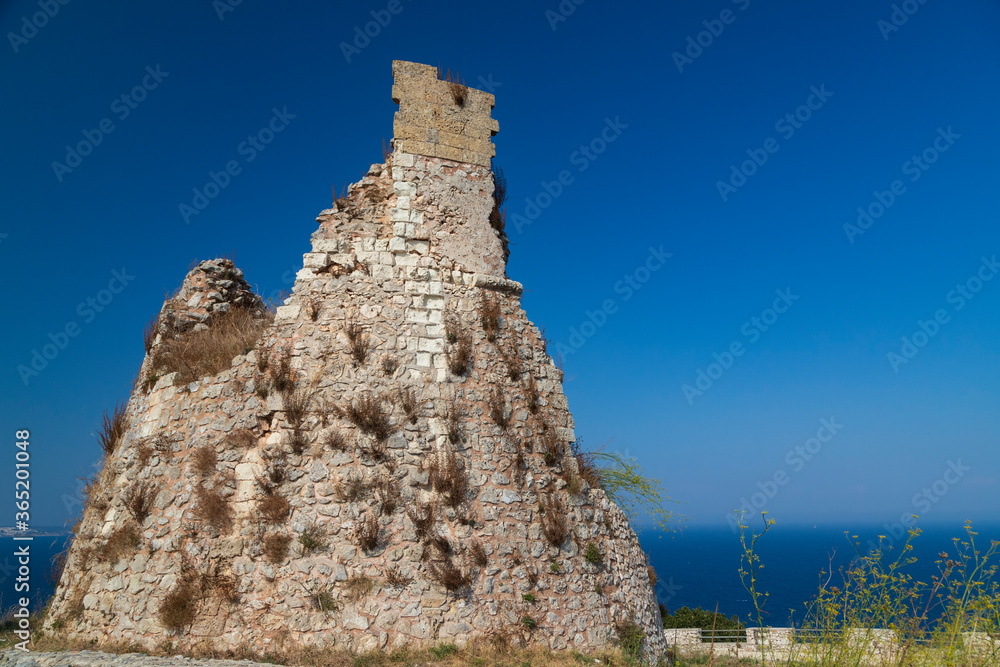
[389, 463]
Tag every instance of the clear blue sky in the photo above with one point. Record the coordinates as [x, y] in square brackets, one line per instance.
[879, 97]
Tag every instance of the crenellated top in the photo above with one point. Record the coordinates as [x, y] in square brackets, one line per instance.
[440, 118]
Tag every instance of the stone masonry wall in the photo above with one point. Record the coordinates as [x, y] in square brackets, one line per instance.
[406, 263]
[431, 122]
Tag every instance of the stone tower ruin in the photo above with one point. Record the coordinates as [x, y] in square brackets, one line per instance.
[386, 460]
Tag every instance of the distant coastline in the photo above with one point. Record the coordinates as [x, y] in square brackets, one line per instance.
[43, 531]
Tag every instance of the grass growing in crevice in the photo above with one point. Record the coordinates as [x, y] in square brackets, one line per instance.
[275, 547]
[552, 514]
[368, 413]
[358, 342]
[448, 476]
[489, 314]
[197, 354]
[139, 499]
[113, 429]
[459, 352]
[214, 510]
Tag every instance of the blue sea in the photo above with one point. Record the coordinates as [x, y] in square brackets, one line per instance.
[699, 567]
[41, 550]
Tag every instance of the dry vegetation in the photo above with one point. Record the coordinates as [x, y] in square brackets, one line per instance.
[459, 351]
[197, 354]
[368, 414]
[495, 649]
[422, 515]
[478, 553]
[336, 440]
[113, 429]
[352, 487]
[204, 460]
[358, 341]
[313, 538]
[357, 587]
[241, 438]
[395, 577]
[498, 408]
[408, 401]
[366, 531]
[276, 547]
[448, 574]
[139, 500]
[120, 544]
[214, 510]
[387, 494]
[273, 508]
[281, 372]
[553, 518]
[448, 477]
[489, 314]
[180, 606]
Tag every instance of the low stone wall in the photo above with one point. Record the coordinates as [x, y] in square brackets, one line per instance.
[15, 658]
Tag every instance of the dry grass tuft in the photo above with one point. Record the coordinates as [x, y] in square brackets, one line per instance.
[408, 401]
[149, 333]
[478, 553]
[531, 398]
[197, 354]
[511, 355]
[120, 544]
[222, 586]
[395, 577]
[389, 365]
[204, 460]
[214, 510]
[273, 508]
[366, 531]
[352, 487]
[454, 421]
[553, 518]
[282, 374]
[242, 438]
[447, 476]
[368, 414]
[313, 538]
[296, 404]
[489, 314]
[459, 352]
[586, 466]
[358, 341]
[113, 429]
[276, 547]
[422, 515]
[498, 408]
[448, 574]
[456, 86]
[358, 587]
[336, 440]
[551, 447]
[180, 606]
[143, 454]
[387, 494]
[139, 500]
